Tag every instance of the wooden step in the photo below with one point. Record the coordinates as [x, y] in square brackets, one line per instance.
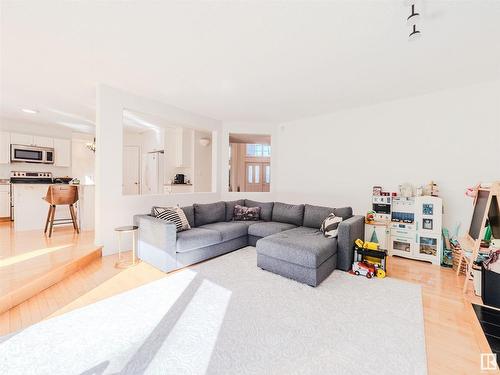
[30, 263]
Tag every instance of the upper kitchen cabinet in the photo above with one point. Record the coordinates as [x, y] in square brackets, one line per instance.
[31, 140]
[4, 148]
[62, 151]
[43, 141]
[21, 139]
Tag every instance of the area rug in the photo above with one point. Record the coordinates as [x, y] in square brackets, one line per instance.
[227, 316]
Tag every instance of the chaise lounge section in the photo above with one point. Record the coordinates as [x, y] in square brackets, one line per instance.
[287, 238]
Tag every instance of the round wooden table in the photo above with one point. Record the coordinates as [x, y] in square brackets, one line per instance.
[126, 263]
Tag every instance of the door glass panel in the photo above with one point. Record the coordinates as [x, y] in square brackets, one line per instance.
[257, 174]
[250, 174]
[268, 174]
[428, 245]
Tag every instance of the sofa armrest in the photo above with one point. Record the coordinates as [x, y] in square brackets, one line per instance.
[157, 242]
[349, 230]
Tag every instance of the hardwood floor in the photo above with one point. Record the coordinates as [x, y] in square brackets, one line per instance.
[454, 338]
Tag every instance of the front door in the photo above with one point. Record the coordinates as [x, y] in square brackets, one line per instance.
[257, 177]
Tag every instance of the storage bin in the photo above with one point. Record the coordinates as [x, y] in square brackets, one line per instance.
[490, 287]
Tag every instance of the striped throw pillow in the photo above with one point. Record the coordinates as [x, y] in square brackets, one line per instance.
[330, 226]
[174, 214]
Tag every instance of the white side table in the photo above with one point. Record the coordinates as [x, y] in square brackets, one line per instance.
[126, 263]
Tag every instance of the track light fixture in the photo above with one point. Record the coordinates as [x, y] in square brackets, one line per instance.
[412, 20]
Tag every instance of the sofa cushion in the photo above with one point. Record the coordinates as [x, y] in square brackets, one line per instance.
[196, 238]
[189, 212]
[344, 212]
[230, 208]
[306, 247]
[266, 208]
[228, 231]
[209, 213]
[288, 213]
[315, 215]
[266, 228]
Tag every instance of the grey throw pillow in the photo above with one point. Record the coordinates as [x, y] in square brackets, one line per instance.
[330, 226]
[246, 213]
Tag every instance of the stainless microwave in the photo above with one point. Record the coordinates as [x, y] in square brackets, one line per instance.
[31, 154]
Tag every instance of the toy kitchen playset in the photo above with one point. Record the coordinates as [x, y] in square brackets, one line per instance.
[407, 225]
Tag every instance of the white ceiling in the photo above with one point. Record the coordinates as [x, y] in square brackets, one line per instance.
[238, 61]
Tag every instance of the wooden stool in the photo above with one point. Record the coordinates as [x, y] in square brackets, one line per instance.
[59, 195]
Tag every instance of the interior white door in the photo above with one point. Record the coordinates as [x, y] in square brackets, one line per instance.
[131, 170]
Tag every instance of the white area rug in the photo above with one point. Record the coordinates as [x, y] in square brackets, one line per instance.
[227, 316]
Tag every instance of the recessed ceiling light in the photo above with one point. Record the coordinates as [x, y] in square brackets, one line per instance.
[30, 111]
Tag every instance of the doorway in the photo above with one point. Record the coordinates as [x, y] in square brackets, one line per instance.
[131, 170]
[249, 162]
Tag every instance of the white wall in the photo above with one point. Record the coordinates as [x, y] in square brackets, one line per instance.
[452, 137]
[46, 130]
[82, 158]
[249, 128]
[202, 177]
[112, 208]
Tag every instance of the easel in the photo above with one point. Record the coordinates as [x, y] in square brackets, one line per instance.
[468, 242]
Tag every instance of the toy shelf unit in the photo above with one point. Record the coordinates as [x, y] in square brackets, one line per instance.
[415, 228]
[378, 232]
[381, 204]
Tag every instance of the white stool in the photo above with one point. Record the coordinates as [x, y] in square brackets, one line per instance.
[123, 263]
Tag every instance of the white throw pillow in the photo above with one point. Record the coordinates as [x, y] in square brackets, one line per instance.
[330, 226]
[173, 214]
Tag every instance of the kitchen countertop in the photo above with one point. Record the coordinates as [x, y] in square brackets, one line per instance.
[177, 184]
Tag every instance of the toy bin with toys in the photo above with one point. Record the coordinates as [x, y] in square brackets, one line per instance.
[369, 260]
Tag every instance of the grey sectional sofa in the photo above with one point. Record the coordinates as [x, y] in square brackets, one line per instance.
[287, 238]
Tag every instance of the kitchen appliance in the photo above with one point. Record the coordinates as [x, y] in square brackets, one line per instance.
[179, 178]
[31, 154]
[152, 172]
[20, 177]
[62, 180]
[381, 204]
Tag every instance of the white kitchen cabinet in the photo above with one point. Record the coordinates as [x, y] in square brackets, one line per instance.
[4, 201]
[62, 151]
[31, 140]
[43, 141]
[4, 148]
[22, 139]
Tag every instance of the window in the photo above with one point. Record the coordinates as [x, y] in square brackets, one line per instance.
[258, 150]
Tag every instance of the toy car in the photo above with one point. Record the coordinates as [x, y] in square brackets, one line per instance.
[364, 269]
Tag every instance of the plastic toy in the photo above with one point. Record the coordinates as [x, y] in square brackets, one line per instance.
[370, 216]
[366, 245]
[369, 261]
[364, 269]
